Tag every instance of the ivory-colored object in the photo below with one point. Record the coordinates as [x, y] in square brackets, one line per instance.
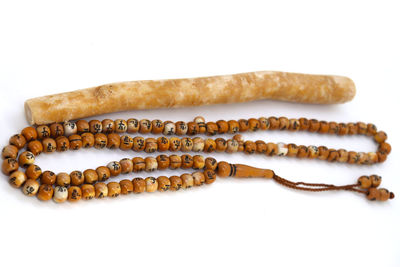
[293, 87]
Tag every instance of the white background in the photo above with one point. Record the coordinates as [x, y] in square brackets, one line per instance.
[49, 47]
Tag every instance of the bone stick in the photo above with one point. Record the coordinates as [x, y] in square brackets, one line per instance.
[293, 87]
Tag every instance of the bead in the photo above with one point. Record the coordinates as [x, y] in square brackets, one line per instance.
[76, 178]
[121, 126]
[224, 169]
[126, 186]
[157, 126]
[48, 177]
[364, 182]
[201, 123]
[9, 166]
[304, 124]
[294, 125]
[385, 148]
[233, 126]
[75, 142]
[133, 125]
[43, 131]
[292, 150]
[384, 194]
[352, 157]
[25, 159]
[333, 128]
[126, 165]
[29, 133]
[138, 143]
[176, 183]
[35, 147]
[18, 140]
[56, 130]
[95, 126]
[333, 155]
[193, 128]
[198, 144]
[101, 190]
[17, 178]
[175, 162]
[145, 126]
[323, 152]
[87, 140]
[343, 155]
[103, 173]
[243, 125]
[363, 158]
[375, 180]
[162, 162]
[250, 147]
[62, 143]
[264, 123]
[362, 128]
[283, 123]
[187, 161]
[198, 178]
[343, 129]
[314, 125]
[151, 184]
[353, 129]
[223, 126]
[303, 152]
[220, 145]
[169, 128]
[45, 192]
[33, 172]
[211, 163]
[181, 128]
[126, 142]
[186, 144]
[187, 180]
[162, 143]
[100, 140]
[174, 144]
[212, 128]
[163, 183]
[63, 179]
[113, 141]
[273, 123]
[151, 145]
[82, 126]
[70, 128]
[232, 146]
[254, 124]
[74, 193]
[198, 162]
[91, 176]
[114, 189]
[108, 126]
[30, 187]
[373, 193]
[323, 127]
[372, 157]
[114, 167]
[139, 185]
[282, 149]
[210, 176]
[9, 152]
[209, 145]
[381, 157]
[380, 137]
[272, 149]
[313, 152]
[60, 194]
[49, 145]
[151, 164]
[138, 164]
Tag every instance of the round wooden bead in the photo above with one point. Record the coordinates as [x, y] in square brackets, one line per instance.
[75, 142]
[169, 128]
[385, 148]
[139, 143]
[63, 179]
[76, 178]
[56, 130]
[314, 125]
[209, 145]
[126, 165]
[193, 128]
[210, 163]
[62, 143]
[103, 173]
[175, 162]
[302, 152]
[333, 155]
[243, 125]
[210, 176]
[45, 192]
[264, 123]
[121, 126]
[272, 149]
[186, 144]
[224, 169]
[163, 183]
[126, 142]
[273, 123]
[375, 180]
[323, 127]
[162, 162]
[157, 126]
[95, 126]
[139, 185]
[362, 158]
[108, 126]
[126, 186]
[233, 126]
[49, 145]
[100, 140]
[187, 180]
[113, 141]
[380, 137]
[352, 157]
[30, 187]
[304, 124]
[176, 183]
[9, 166]
[254, 124]
[151, 145]
[212, 128]
[250, 147]
[198, 178]
[18, 140]
[292, 150]
[381, 157]
[372, 158]
[384, 194]
[198, 144]
[82, 126]
[187, 161]
[333, 128]
[151, 184]
[87, 140]
[88, 191]
[60, 194]
[17, 179]
[101, 190]
[352, 128]
[43, 131]
[162, 143]
[373, 193]
[9, 152]
[48, 177]
[283, 123]
[201, 123]
[138, 164]
[323, 152]
[33, 172]
[199, 119]
[29, 133]
[223, 126]
[35, 147]
[282, 149]
[133, 125]
[362, 128]
[91, 176]
[232, 146]
[74, 193]
[220, 145]
[174, 144]
[294, 125]
[343, 129]
[25, 159]
[198, 162]
[151, 164]
[181, 128]
[145, 126]
[365, 182]
[70, 128]
[114, 167]
[313, 152]
[114, 189]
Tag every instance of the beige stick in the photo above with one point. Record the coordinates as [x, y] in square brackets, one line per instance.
[293, 87]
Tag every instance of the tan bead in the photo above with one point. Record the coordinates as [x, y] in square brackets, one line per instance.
[103, 173]
[373, 193]
[45, 192]
[163, 183]
[114, 189]
[162, 143]
[43, 131]
[343, 129]
[139, 143]
[233, 126]
[151, 184]
[323, 127]
[187, 180]
[294, 125]
[9, 152]
[224, 169]
[101, 190]
[138, 164]
[174, 144]
[198, 162]
[193, 128]
[314, 125]
[87, 140]
[363, 158]
[381, 157]
[74, 193]
[82, 126]
[62, 143]
[157, 126]
[139, 185]
[272, 149]
[365, 182]
[176, 183]
[169, 128]
[283, 123]
[250, 147]
[223, 126]
[162, 162]
[18, 140]
[372, 157]
[175, 162]
[303, 152]
[220, 145]
[333, 128]
[273, 123]
[198, 178]
[63, 179]
[343, 155]
[304, 124]
[108, 126]
[77, 178]
[91, 176]
[380, 137]
[232, 146]
[151, 145]
[212, 128]
[75, 142]
[115, 168]
[352, 128]
[385, 148]
[333, 155]
[88, 191]
[56, 130]
[254, 125]
[211, 163]
[17, 179]
[181, 128]
[323, 152]
[133, 125]
[352, 157]
[126, 142]
[29, 133]
[186, 144]
[151, 164]
[243, 125]
[126, 186]
[210, 176]
[49, 145]
[209, 145]
[198, 144]
[30, 187]
[100, 140]
[48, 177]
[199, 119]
[313, 152]
[292, 150]
[113, 141]
[70, 128]
[60, 194]
[282, 149]
[35, 147]
[145, 126]
[384, 194]
[264, 123]
[201, 123]
[121, 126]
[33, 172]
[375, 180]
[362, 128]
[25, 159]
[126, 165]
[9, 166]
[187, 161]
[95, 126]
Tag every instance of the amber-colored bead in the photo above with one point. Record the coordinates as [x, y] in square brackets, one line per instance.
[138, 164]
[151, 145]
[56, 130]
[91, 176]
[45, 192]
[304, 124]
[352, 128]
[115, 168]
[250, 147]
[174, 144]
[254, 124]
[60, 194]
[232, 146]
[283, 123]
[333, 128]
[313, 152]
[314, 125]
[264, 123]
[380, 137]
[371, 129]
[187, 161]
[323, 152]
[63, 179]
[209, 145]
[210, 163]
[384, 194]
[30, 187]
[201, 123]
[103, 173]
[70, 128]
[126, 142]
[224, 169]
[193, 128]
[169, 128]
[49, 145]
[29, 133]
[151, 184]
[114, 189]
[175, 162]
[233, 126]
[139, 185]
[352, 157]
[126, 165]
[292, 150]
[385, 148]
[75, 142]
[186, 144]
[365, 182]
[303, 152]
[294, 125]
[273, 123]
[151, 164]
[373, 193]
[381, 157]
[108, 126]
[323, 127]
[25, 159]
[139, 143]
[95, 126]
[198, 144]
[74, 193]
[101, 190]
[176, 183]
[333, 155]
[76, 178]
[181, 128]
[372, 158]
[212, 128]
[187, 180]
[282, 149]
[210, 176]
[62, 143]
[199, 119]
[43, 131]
[126, 186]
[362, 128]
[220, 145]
[18, 140]
[162, 162]
[121, 126]
[198, 178]
[88, 191]
[145, 126]
[343, 155]
[17, 178]
[157, 126]
[87, 140]
[82, 126]
[243, 125]
[33, 172]
[162, 143]
[375, 180]
[100, 140]
[9, 166]
[272, 149]
[223, 126]
[343, 129]
[113, 141]
[9, 152]
[362, 158]
[163, 183]
[261, 147]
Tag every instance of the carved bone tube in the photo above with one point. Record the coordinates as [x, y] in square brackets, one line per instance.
[242, 171]
[293, 87]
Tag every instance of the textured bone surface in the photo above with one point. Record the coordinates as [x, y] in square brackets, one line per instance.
[243, 87]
